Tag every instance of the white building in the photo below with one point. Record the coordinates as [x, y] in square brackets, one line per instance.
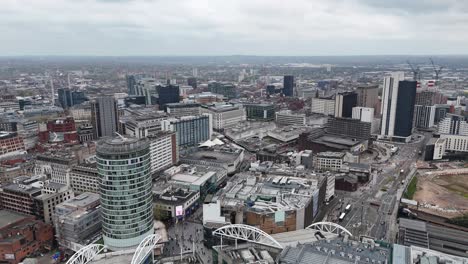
[455, 143]
[323, 106]
[84, 178]
[439, 148]
[424, 116]
[331, 161]
[164, 151]
[365, 114]
[225, 115]
[288, 118]
[453, 125]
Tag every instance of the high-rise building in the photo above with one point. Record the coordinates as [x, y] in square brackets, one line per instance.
[163, 150]
[368, 96]
[424, 116]
[192, 81]
[441, 111]
[131, 82]
[288, 85]
[398, 100]
[167, 94]
[146, 87]
[190, 130]
[425, 97]
[365, 114]
[126, 198]
[104, 116]
[344, 103]
[68, 98]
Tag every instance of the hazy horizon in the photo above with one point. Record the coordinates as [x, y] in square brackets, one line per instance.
[243, 27]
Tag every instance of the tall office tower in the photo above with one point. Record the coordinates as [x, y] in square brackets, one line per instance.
[398, 97]
[167, 94]
[368, 96]
[288, 85]
[104, 116]
[441, 111]
[192, 81]
[424, 116]
[344, 103]
[190, 130]
[126, 198]
[131, 82]
[68, 98]
[195, 72]
[146, 87]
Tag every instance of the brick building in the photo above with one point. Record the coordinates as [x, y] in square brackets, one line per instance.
[21, 236]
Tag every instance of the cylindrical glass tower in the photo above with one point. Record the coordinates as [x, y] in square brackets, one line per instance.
[126, 198]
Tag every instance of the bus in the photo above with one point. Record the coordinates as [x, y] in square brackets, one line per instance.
[348, 207]
[342, 216]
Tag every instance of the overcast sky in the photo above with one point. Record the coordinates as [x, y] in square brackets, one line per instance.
[227, 27]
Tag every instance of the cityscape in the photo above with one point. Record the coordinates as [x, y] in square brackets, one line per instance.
[109, 156]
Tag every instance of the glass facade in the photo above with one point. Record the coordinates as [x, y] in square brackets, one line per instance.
[192, 131]
[126, 199]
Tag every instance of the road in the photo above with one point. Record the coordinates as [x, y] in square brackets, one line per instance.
[383, 191]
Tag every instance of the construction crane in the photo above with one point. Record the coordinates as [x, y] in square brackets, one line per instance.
[437, 71]
[416, 71]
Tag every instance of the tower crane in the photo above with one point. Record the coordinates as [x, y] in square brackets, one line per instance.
[436, 70]
[416, 71]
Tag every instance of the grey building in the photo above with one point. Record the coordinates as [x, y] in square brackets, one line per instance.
[190, 130]
[104, 116]
[77, 221]
[126, 199]
[349, 127]
[228, 90]
[260, 112]
[424, 116]
[183, 109]
[368, 96]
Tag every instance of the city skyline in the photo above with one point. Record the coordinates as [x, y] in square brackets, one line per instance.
[295, 28]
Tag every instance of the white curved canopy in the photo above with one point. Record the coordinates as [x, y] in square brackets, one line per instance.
[144, 248]
[86, 254]
[329, 227]
[247, 233]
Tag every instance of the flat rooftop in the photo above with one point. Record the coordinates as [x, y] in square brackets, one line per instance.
[9, 217]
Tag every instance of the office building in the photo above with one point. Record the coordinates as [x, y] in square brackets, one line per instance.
[424, 116]
[368, 96]
[453, 125]
[288, 85]
[192, 81]
[398, 100]
[224, 115]
[141, 126]
[348, 127]
[288, 118]
[260, 112]
[365, 114]
[131, 82]
[228, 90]
[328, 161]
[183, 109]
[77, 221]
[104, 116]
[68, 98]
[134, 100]
[441, 111]
[22, 236]
[146, 86]
[164, 151]
[344, 103]
[84, 178]
[55, 166]
[11, 144]
[455, 143]
[124, 166]
[324, 106]
[190, 130]
[167, 94]
[434, 149]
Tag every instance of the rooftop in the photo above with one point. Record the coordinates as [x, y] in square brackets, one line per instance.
[9, 217]
[121, 145]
